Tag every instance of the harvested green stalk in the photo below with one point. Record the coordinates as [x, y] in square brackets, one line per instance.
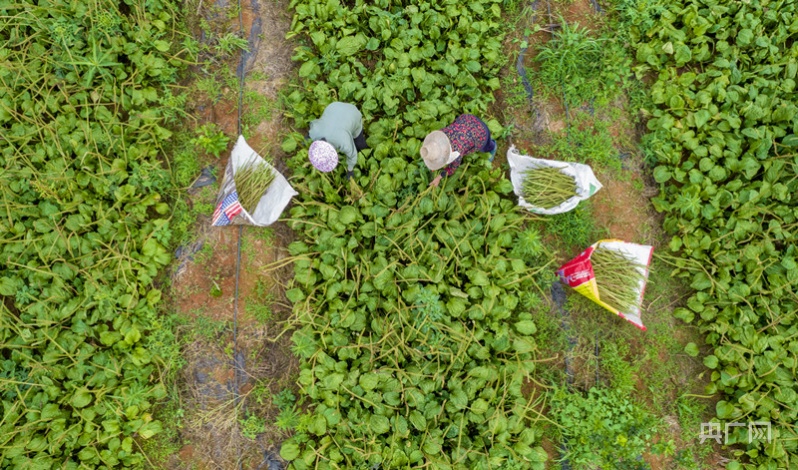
[618, 278]
[252, 180]
[547, 187]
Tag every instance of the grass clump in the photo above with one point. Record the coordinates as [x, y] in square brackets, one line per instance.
[574, 230]
[603, 428]
[587, 140]
[582, 66]
[259, 302]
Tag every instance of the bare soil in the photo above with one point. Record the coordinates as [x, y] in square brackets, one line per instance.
[622, 210]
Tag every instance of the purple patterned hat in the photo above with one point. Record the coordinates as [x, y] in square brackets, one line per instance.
[323, 156]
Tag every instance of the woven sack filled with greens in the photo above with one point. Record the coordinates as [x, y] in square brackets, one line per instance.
[252, 191]
[613, 274]
[549, 187]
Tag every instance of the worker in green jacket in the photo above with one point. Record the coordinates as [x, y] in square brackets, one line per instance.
[339, 129]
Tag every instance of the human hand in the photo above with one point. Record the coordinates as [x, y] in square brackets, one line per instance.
[436, 181]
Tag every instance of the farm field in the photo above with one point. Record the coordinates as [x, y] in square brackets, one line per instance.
[381, 322]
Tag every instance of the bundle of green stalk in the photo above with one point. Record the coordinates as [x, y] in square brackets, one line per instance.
[618, 278]
[252, 180]
[547, 187]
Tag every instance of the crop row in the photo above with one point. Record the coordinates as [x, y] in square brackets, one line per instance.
[84, 93]
[409, 300]
[723, 138]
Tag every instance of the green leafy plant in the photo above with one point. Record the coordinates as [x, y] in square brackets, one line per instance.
[287, 419]
[724, 159]
[207, 328]
[284, 400]
[211, 87]
[260, 394]
[252, 425]
[230, 43]
[603, 428]
[86, 194]
[581, 66]
[186, 166]
[574, 229]
[210, 139]
[587, 140]
[615, 359]
[260, 302]
[216, 291]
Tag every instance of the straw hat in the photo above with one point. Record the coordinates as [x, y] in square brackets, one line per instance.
[323, 156]
[437, 151]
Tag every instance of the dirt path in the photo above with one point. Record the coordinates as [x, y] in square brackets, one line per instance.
[220, 407]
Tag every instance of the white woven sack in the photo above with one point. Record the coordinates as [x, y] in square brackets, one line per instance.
[273, 202]
[586, 182]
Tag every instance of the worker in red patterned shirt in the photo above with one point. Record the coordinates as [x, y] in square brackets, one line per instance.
[445, 149]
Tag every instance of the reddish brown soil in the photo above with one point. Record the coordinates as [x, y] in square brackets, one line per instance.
[192, 289]
[583, 13]
[225, 115]
[621, 210]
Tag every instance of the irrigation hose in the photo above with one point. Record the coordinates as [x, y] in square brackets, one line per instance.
[236, 365]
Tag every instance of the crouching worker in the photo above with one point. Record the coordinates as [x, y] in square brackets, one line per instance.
[447, 147]
[339, 129]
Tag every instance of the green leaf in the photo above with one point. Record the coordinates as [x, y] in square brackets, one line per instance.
[459, 399]
[318, 425]
[379, 424]
[478, 278]
[683, 314]
[369, 381]
[150, 429]
[10, 286]
[744, 37]
[701, 281]
[701, 118]
[711, 361]
[724, 409]
[307, 69]
[431, 447]
[682, 54]
[81, 398]
[347, 215]
[289, 451]
[790, 140]
[662, 174]
[526, 327]
[349, 45]
[691, 349]
[417, 420]
[295, 295]
[50, 411]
